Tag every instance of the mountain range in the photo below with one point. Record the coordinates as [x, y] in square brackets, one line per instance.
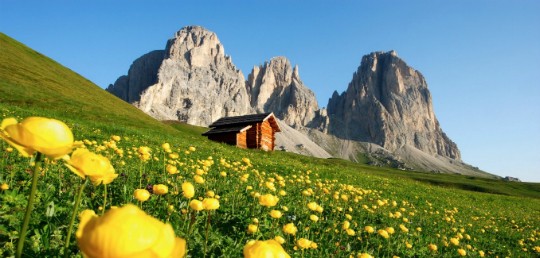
[385, 117]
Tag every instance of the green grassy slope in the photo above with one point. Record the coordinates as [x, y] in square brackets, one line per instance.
[31, 81]
[436, 205]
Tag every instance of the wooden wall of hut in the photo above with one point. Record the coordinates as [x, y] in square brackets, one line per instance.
[253, 137]
[241, 140]
[267, 136]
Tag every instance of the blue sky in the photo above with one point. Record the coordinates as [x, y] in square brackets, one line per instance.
[481, 59]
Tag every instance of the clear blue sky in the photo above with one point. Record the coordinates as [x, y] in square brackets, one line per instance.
[481, 59]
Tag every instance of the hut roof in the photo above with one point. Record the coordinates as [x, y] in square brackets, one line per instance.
[238, 121]
[232, 129]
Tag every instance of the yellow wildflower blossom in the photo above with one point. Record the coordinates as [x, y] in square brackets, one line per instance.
[127, 232]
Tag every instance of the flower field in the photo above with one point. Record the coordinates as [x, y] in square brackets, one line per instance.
[177, 193]
[184, 195]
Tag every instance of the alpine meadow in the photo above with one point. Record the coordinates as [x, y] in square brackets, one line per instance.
[85, 174]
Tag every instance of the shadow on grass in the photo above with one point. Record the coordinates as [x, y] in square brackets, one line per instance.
[462, 186]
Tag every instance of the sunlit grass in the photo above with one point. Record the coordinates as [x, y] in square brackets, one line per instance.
[335, 212]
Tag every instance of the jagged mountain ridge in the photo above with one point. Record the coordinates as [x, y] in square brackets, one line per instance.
[194, 62]
[277, 87]
[197, 83]
[193, 81]
[142, 73]
[388, 103]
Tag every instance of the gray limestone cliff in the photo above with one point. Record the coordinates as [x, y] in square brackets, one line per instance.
[142, 74]
[276, 87]
[388, 103]
[196, 82]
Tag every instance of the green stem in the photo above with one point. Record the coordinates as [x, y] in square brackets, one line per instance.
[30, 205]
[104, 201]
[140, 174]
[192, 219]
[206, 236]
[73, 215]
[169, 212]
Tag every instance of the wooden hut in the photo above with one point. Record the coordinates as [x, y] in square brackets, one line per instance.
[249, 131]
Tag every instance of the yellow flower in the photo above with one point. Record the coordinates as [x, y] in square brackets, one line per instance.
[252, 228]
[369, 229]
[346, 225]
[454, 241]
[279, 239]
[85, 163]
[188, 190]
[313, 218]
[172, 169]
[199, 172]
[383, 233]
[268, 200]
[403, 228]
[160, 189]
[144, 153]
[210, 193]
[166, 146]
[350, 232]
[196, 205]
[51, 137]
[275, 214]
[390, 230]
[267, 249]
[127, 232]
[290, 229]
[481, 253]
[462, 252]
[141, 194]
[312, 206]
[210, 203]
[198, 179]
[4, 187]
[303, 243]
[364, 255]
[432, 247]
[192, 149]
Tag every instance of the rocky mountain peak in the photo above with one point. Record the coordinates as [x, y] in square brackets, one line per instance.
[388, 103]
[142, 73]
[276, 87]
[196, 46]
[194, 81]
